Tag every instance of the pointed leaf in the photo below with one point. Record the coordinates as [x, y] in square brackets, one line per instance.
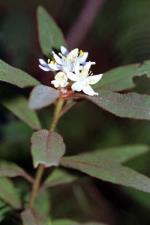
[9, 169]
[121, 78]
[42, 96]
[131, 105]
[16, 76]
[20, 108]
[50, 36]
[107, 170]
[59, 177]
[8, 193]
[30, 217]
[47, 148]
[119, 154]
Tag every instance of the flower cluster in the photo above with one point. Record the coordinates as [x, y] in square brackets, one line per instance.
[72, 71]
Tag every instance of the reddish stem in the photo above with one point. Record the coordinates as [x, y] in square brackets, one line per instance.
[84, 22]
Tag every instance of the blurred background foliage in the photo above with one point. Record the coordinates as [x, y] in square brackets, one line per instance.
[120, 35]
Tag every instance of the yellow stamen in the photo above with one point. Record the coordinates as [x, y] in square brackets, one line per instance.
[51, 61]
[81, 53]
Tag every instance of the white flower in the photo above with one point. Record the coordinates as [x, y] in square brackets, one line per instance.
[83, 79]
[64, 61]
[73, 71]
[60, 81]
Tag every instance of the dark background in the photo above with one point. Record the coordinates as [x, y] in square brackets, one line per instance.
[117, 34]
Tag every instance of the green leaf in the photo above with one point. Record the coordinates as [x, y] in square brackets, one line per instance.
[20, 108]
[59, 177]
[70, 222]
[9, 169]
[131, 105]
[31, 217]
[4, 210]
[8, 193]
[121, 78]
[107, 170]
[42, 96]
[64, 222]
[43, 203]
[47, 148]
[120, 154]
[50, 36]
[16, 76]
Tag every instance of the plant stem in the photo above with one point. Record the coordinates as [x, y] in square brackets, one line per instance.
[36, 184]
[41, 168]
[57, 114]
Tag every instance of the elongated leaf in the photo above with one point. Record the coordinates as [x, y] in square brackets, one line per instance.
[9, 169]
[8, 193]
[30, 217]
[42, 96]
[119, 154]
[59, 177]
[107, 170]
[121, 78]
[16, 76]
[20, 108]
[50, 36]
[129, 105]
[47, 148]
[70, 222]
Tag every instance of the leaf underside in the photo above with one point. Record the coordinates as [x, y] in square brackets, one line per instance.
[42, 96]
[47, 148]
[131, 105]
[107, 169]
[9, 169]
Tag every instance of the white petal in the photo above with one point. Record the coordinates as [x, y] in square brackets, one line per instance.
[77, 86]
[64, 84]
[77, 67]
[57, 58]
[43, 62]
[61, 76]
[87, 89]
[94, 79]
[54, 66]
[55, 83]
[82, 59]
[74, 53]
[45, 68]
[72, 76]
[60, 80]
[88, 65]
[64, 50]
